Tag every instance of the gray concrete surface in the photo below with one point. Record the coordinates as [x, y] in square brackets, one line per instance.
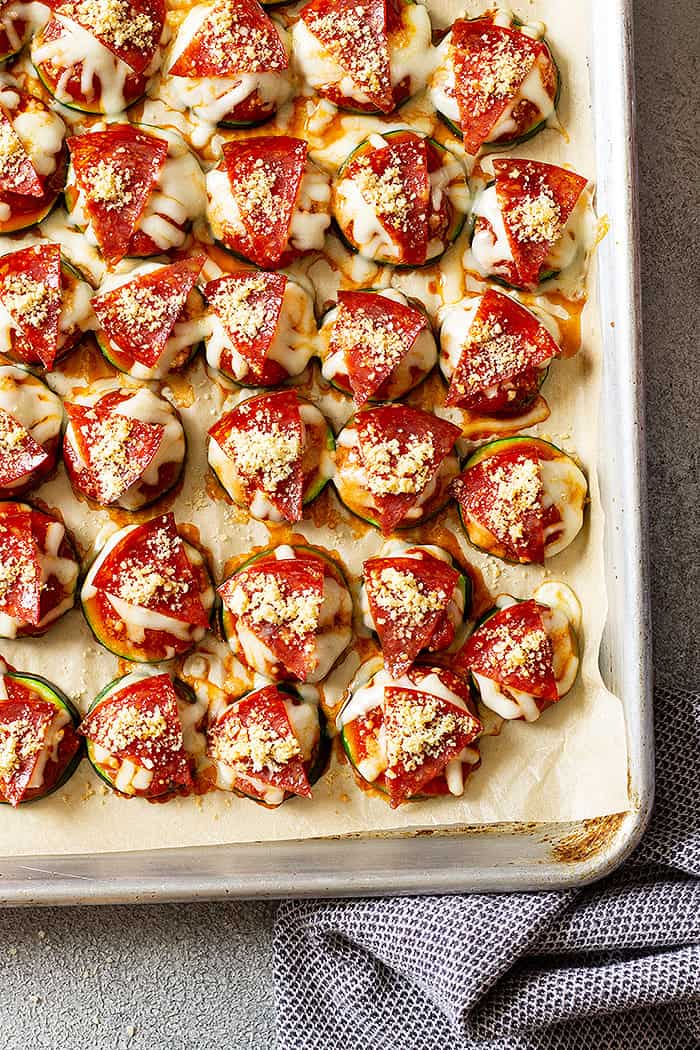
[197, 977]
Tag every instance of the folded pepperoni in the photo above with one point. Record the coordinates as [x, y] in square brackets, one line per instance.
[24, 724]
[17, 173]
[423, 733]
[130, 29]
[20, 571]
[354, 33]
[264, 437]
[141, 722]
[265, 175]
[249, 306]
[402, 449]
[236, 36]
[395, 181]
[20, 454]
[280, 600]
[536, 201]
[149, 568]
[491, 63]
[375, 334]
[30, 291]
[506, 344]
[116, 449]
[117, 170]
[513, 649]
[255, 738]
[408, 598]
[504, 494]
[139, 316]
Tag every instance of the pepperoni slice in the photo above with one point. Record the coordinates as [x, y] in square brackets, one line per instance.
[149, 568]
[504, 494]
[30, 291]
[354, 33]
[279, 600]
[375, 334]
[491, 63]
[17, 173]
[423, 733]
[140, 315]
[235, 37]
[249, 306]
[20, 454]
[130, 29]
[504, 350]
[141, 722]
[117, 170]
[256, 736]
[265, 439]
[117, 449]
[20, 571]
[513, 649]
[265, 175]
[408, 599]
[24, 723]
[401, 449]
[536, 201]
[395, 181]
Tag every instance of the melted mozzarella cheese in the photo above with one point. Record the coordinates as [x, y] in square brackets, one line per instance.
[565, 487]
[420, 358]
[213, 98]
[65, 571]
[292, 347]
[49, 750]
[77, 45]
[310, 218]
[40, 131]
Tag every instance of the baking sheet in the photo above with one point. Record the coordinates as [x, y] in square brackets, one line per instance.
[570, 765]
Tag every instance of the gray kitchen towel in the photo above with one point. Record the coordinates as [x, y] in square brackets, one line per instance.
[607, 967]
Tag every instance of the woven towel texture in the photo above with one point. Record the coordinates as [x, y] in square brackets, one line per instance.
[612, 966]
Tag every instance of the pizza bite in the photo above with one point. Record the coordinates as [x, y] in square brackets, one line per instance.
[400, 198]
[523, 657]
[123, 446]
[144, 734]
[368, 56]
[151, 320]
[521, 499]
[229, 64]
[529, 223]
[268, 745]
[148, 595]
[496, 82]
[416, 599]
[261, 327]
[287, 613]
[376, 345]
[273, 454]
[31, 417]
[32, 159]
[38, 570]
[97, 56]
[45, 306]
[411, 737]
[39, 744]
[394, 465]
[268, 203]
[495, 354]
[133, 190]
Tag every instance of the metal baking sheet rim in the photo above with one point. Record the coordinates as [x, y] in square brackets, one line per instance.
[488, 858]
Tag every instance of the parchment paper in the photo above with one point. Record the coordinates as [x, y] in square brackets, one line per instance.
[571, 764]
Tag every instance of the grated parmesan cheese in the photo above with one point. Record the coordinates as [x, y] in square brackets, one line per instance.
[518, 490]
[110, 185]
[267, 453]
[393, 471]
[28, 299]
[418, 729]
[269, 603]
[257, 745]
[501, 73]
[537, 219]
[12, 153]
[401, 591]
[354, 48]
[385, 192]
[241, 310]
[114, 21]
[378, 345]
[18, 743]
